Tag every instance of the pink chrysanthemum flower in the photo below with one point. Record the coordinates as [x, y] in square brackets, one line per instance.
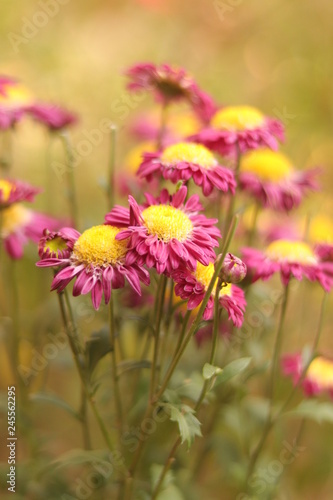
[12, 191]
[171, 85]
[53, 116]
[19, 225]
[95, 258]
[270, 178]
[292, 259]
[240, 127]
[167, 231]
[14, 98]
[184, 161]
[318, 377]
[192, 286]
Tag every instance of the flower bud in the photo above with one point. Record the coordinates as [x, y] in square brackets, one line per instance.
[233, 269]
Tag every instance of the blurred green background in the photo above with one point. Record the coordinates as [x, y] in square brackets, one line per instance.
[275, 55]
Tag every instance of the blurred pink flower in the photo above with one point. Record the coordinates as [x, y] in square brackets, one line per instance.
[52, 115]
[319, 375]
[14, 191]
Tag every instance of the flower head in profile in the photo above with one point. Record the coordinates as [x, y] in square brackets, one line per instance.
[20, 225]
[95, 258]
[269, 176]
[169, 85]
[192, 286]
[242, 128]
[318, 377]
[14, 99]
[187, 160]
[291, 259]
[13, 191]
[167, 232]
[51, 115]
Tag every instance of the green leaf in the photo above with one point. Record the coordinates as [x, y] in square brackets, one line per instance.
[97, 347]
[232, 369]
[189, 425]
[314, 410]
[210, 371]
[43, 397]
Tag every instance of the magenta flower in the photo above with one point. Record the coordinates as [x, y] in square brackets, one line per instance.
[240, 127]
[51, 115]
[166, 232]
[12, 191]
[291, 259]
[319, 375]
[271, 179]
[95, 258]
[171, 85]
[19, 225]
[192, 286]
[184, 161]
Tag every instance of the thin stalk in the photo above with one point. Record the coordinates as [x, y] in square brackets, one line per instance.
[177, 443]
[202, 308]
[163, 125]
[253, 229]
[79, 366]
[114, 374]
[168, 320]
[84, 419]
[231, 208]
[160, 306]
[112, 163]
[276, 354]
[70, 177]
[49, 178]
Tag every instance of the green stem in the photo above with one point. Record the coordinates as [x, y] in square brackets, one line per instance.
[203, 393]
[163, 125]
[202, 308]
[276, 354]
[231, 208]
[70, 177]
[114, 374]
[253, 229]
[160, 306]
[78, 362]
[84, 419]
[112, 163]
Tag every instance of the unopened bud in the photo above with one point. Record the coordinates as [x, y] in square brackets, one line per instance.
[233, 269]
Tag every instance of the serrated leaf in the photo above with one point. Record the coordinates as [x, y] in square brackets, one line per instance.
[97, 347]
[210, 371]
[42, 397]
[188, 424]
[232, 369]
[314, 410]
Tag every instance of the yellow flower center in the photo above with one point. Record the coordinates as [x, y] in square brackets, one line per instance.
[6, 188]
[56, 245]
[134, 157]
[321, 371]
[204, 275]
[97, 246]
[14, 217]
[188, 152]
[16, 95]
[321, 229]
[235, 118]
[266, 164]
[291, 251]
[167, 222]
